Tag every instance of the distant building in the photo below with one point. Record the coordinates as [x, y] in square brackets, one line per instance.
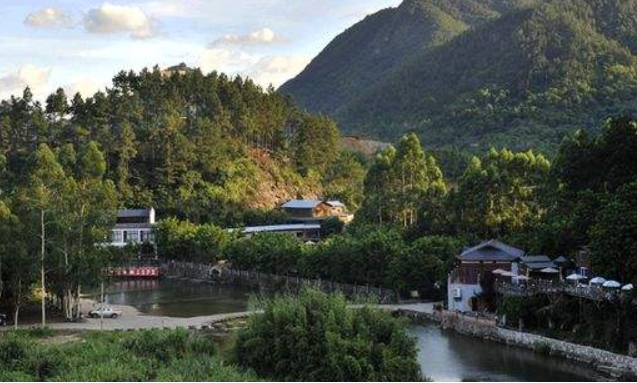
[474, 263]
[537, 266]
[134, 226]
[316, 210]
[305, 231]
[180, 69]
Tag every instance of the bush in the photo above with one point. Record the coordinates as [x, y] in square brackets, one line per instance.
[267, 253]
[315, 337]
[158, 344]
[183, 240]
[139, 356]
[542, 348]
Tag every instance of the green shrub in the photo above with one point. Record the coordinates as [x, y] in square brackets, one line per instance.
[13, 349]
[542, 348]
[315, 337]
[158, 344]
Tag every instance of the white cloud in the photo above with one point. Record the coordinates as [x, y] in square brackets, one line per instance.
[224, 60]
[263, 70]
[85, 85]
[110, 18]
[28, 75]
[49, 18]
[257, 37]
[276, 70]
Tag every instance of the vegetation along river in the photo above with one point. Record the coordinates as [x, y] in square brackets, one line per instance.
[444, 355]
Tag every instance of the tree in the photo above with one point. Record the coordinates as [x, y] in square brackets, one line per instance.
[41, 200]
[613, 236]
[399, 181]
[499, 195]
[87, 214]
[315, 336]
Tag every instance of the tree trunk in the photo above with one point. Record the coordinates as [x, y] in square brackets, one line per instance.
[16, 312]
[42, 271]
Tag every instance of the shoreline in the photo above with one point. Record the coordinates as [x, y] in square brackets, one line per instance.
[133, 319]
[615, 366]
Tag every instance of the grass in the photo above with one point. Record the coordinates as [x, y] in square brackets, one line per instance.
[153, 355]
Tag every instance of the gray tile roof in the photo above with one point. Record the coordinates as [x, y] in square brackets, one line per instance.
[540, 265]
[133, 213]
[491, 251]
[535, 258]
[301, 204]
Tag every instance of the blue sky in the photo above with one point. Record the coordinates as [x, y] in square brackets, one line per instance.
[80, 45]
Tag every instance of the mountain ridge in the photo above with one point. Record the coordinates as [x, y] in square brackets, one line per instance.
[523, 79]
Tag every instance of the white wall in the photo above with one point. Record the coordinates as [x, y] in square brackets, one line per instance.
[467, 291]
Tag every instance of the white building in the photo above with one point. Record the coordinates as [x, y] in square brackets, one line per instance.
[134, 226]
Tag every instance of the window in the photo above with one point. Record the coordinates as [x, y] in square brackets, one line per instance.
[131, 236]
[116, 236]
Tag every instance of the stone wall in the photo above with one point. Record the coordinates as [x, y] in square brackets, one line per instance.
[616, 365]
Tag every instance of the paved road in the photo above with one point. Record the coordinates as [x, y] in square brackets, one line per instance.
[132, 319]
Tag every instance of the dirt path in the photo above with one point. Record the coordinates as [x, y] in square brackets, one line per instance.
[132, 319]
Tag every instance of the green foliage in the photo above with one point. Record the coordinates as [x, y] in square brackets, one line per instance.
[542, 348]
[155, 355]
[499, 195]
[315, 337]
[183, 240]
[613, 236]
[267, 253]
[398, 181]
[517, 78]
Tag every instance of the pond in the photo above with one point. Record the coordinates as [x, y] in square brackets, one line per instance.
[178, 298]
[443, 355]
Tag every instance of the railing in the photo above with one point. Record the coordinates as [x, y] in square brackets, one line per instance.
[538, 287]
[284, 282]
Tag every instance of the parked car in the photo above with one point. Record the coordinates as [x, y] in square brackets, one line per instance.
[108, 312]
[4, 320]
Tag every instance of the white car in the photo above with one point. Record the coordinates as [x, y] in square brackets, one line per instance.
[108, 312]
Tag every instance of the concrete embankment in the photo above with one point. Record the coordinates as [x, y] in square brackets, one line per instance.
[614, 365]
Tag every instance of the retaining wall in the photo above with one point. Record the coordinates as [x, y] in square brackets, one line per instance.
[616, 365]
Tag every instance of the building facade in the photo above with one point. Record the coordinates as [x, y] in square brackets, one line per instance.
[474, 265]
[134, 226]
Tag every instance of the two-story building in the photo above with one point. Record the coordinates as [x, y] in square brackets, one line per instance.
[134, 226]
[474, 264]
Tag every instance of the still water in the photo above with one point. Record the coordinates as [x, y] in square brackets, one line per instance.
[443, 355]
[177, 298]
[449, 356]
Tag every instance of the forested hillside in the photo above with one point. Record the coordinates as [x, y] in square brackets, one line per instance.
[203, 147]
[522, 80]
[365, 53]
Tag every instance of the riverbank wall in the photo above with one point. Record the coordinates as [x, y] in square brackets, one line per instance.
[615, 365]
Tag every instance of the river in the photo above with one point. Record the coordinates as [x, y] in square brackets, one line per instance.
[443, 355]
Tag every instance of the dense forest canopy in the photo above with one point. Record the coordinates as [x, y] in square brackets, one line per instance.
[203, 147]
[523, 78]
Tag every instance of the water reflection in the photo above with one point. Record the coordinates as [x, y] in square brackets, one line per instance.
[448, 356]
[180, 299]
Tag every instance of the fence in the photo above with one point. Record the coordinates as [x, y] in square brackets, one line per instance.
[279, 282]
[538, 287]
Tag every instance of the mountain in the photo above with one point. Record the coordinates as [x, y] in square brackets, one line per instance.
[521, 79]
[366, 52]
